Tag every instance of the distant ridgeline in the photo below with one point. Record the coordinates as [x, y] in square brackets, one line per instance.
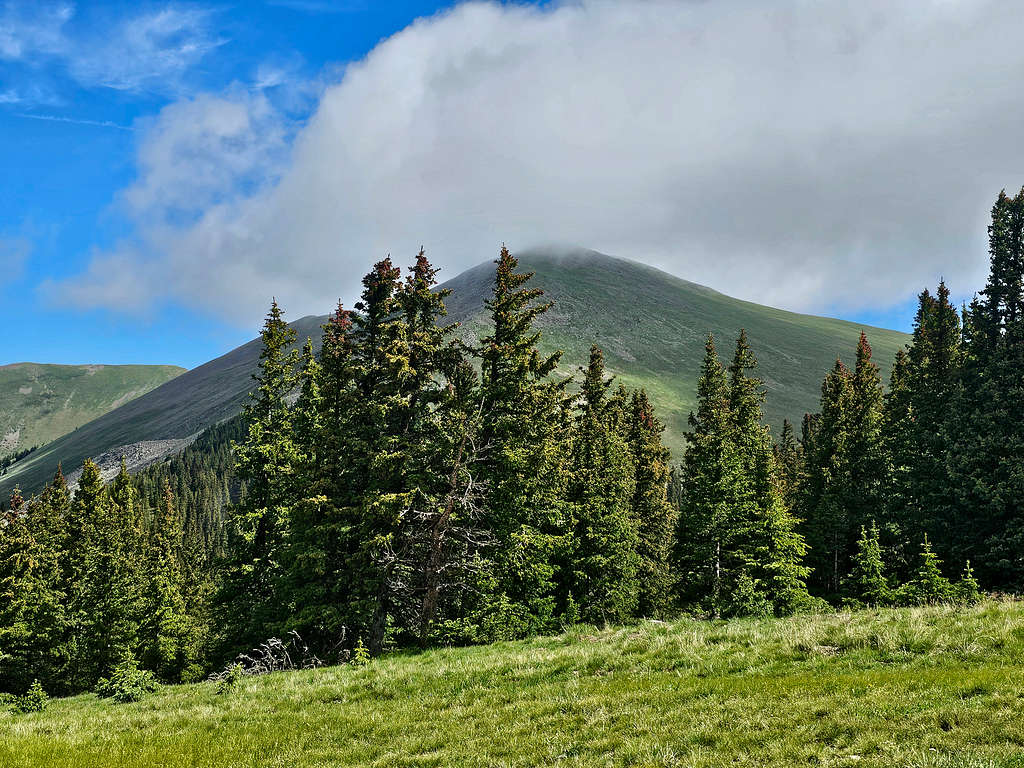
[40, 403]
[433, 486]
[651, 327]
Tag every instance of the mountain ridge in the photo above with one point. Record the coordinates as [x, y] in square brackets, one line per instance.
[651, 325]
[41, 402]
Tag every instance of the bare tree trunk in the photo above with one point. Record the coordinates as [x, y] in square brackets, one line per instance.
[432, 579]
[717, 590]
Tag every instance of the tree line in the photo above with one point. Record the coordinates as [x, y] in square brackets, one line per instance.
[407, 487]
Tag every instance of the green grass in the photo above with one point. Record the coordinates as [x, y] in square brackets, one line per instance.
[911, 687]
[40, 403]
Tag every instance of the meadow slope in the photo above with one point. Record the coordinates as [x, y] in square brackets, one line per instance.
[909, 687]
[40, 403]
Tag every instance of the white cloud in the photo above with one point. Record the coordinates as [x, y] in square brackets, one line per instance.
[30, 29]
[793, 153]
[150, 51]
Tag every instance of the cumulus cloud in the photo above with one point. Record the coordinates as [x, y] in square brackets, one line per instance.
[807, 155]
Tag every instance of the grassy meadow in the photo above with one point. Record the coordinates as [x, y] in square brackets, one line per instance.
[907, 687]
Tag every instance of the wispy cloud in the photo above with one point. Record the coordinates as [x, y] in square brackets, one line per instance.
[29, 29]
[74, 120]
[153, 51]
[149, 52]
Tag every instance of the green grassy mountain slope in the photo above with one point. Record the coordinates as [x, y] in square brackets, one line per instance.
[651, 325]
[39, 403]
[179, 409]
[918, 688]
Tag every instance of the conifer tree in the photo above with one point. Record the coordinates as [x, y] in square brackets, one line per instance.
[266, 460]
[868, 465]
[114, 577]
[867, 581]
[521, 464]
[770, 544]
[789, 463]
[985, 523]
[87, 512]
[436, 564]
[929, 586]
[382, 372]
[829, 487]
[898, 432]
[711, 487]
[321, 544]
[603, 562]
[654, 515]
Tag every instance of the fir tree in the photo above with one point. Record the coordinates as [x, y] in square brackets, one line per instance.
[167, 650]
[867, 581]
[654, 515]
[929, 586]
[521, 463]
[603, 563]
[829, 487]
[712, 479]
[321, 545]
[984, 425]
[266, 459]
[789, 463]
[767, 538]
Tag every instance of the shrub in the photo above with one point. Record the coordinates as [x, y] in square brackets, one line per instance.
[232, 675]
[127, 683]
[360, 654]
[748, 599]
[34, 700]
[274, 655]
[929, 586]
[967, 590]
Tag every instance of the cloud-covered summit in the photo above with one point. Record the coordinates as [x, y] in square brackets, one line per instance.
[808, 155]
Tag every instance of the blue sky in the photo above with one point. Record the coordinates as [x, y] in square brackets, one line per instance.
[169, 166]
[70, 122]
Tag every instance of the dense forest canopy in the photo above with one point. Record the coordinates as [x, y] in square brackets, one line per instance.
[407, 488]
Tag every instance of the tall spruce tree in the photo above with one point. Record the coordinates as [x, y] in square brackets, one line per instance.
[654, 515]
[321, 540]
[984, 428]
[711, 488]
[522, 459]
[382, 369]
[898, 430]
[828, 487]
[935, 362]
[169, 633]
[773, 549]
[603, 562]
[247, 603]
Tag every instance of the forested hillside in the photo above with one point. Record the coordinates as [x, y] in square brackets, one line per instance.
[409, 487]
